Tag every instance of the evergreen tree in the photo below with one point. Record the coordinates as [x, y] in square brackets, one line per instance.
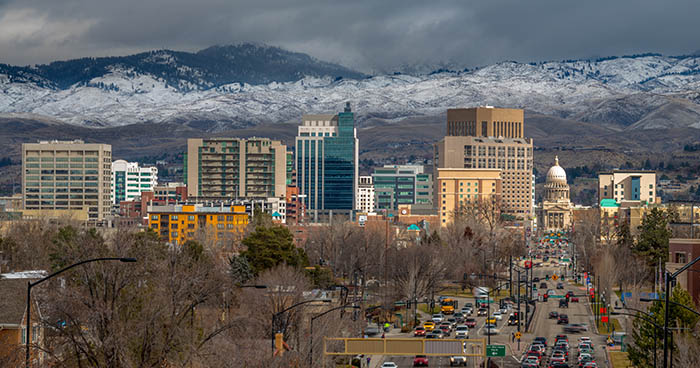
[654, 236]
[240, 270]
[269, 246]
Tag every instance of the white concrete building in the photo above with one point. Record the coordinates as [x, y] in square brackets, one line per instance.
[129, 180]
[365, 195]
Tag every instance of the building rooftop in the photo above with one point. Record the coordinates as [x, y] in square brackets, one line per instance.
[620, 171]
[608, 203]
[195, 208]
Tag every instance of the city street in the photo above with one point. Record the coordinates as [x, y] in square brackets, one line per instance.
[541, 326]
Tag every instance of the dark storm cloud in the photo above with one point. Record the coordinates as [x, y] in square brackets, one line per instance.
[369, 35]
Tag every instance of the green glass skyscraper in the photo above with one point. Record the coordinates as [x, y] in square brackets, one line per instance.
[326, 162]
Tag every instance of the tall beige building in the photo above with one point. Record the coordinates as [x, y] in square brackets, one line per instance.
[491, 138]
[67, 176]
[513, 156]
[232, 168]
[457, 188]
[486, 122]
[627, 186]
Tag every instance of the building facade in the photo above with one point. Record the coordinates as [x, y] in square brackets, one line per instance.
[513, 156]
[457, 188]
[627, 186]
[232, 168]
[177, 224]
[682, 251]
[486, 121]
[557, 209]
[365, 195]
[327, 151]
[129, 180]
[396, 185]
[67, 176]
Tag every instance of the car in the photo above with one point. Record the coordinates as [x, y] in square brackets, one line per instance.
[574, 299]
[585, 344]
[490, 329]
[469, 305]
[439, 332]
[525, 364]
[562, 319]
[561, 350]
[458, 316]
[540, 340]
[445, 330]
[585, 358]
[536, 279]
[420, 361]
[429, 325]
[437, 318]
[372, 330]
[419, 331]
[553, 315]
[457, 360]
[462, 332]
[558, 365]
[481, 312]
[467, 311]
[590, 364]
[585, 350]
[389, 365]
[558, 358]
[447, 324]
[584, 339]
[470, 322]
[532, 359]
[491, 320]
[563, 303]
[497, 315]
[560, 285]
[575, 328]
[512, 320]
[551, 292]
[543, 285]
[433, 335]
[453, 322]
[569, 294]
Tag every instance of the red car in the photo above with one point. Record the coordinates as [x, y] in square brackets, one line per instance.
[470, 322]
[420, 361]
[574, 299]
[420, 331]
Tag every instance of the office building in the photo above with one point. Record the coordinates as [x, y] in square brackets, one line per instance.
[327, 163]
[178, 223]
[396, 185]
[129, 180]
[627, 186]
[457, 188]
[365, 195]
[63, 176]
[486, 122]
[512, 156]
[681, 251]
[232, 168]
[491, 138]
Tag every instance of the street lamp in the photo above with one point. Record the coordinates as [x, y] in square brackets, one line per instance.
[311, 330]
[614, 313]
[30, 285]
[276, 315]
[669, 277]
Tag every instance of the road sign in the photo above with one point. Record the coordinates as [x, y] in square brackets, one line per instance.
[557, 296]
[518, 335]
[495, 350]
[555, 277]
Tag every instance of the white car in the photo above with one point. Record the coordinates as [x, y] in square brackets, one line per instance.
[389, 365]
[437, 318]
[497, 315]
[461, 332]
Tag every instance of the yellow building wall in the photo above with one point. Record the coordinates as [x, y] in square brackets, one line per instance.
[183, 227]
[459, 187]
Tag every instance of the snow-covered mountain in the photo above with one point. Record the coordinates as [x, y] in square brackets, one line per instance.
[251, 84]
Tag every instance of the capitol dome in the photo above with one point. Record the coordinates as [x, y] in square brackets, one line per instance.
[556, 175]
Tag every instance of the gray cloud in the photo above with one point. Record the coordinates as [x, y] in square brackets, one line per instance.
[370, 35]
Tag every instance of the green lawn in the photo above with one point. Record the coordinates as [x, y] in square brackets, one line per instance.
[618, 359]
[603, 327]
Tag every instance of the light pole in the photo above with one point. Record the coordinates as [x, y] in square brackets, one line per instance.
[30, 285]
[669, 277]
[276, 315]
[311, 330]
[644, 319]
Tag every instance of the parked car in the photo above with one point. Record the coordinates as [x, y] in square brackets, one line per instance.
[562, 319]
[420, 361]
[457, 360]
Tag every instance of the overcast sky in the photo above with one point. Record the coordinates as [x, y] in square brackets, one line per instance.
[370, 35]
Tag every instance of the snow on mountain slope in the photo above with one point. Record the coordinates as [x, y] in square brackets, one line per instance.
[618, 91]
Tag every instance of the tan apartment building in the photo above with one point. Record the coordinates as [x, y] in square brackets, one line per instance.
[233, 168]
[627, 186]
[460, 187]
[512, 156]
[64, 176]
[486, 122]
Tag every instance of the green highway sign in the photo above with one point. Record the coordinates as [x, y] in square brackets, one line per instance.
[495, 350]
[566, 260]
[484, 301]
[557, 296]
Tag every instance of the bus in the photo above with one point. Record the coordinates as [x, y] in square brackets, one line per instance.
[448, 306]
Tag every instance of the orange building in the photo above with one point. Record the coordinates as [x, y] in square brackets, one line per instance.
[179, 223]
